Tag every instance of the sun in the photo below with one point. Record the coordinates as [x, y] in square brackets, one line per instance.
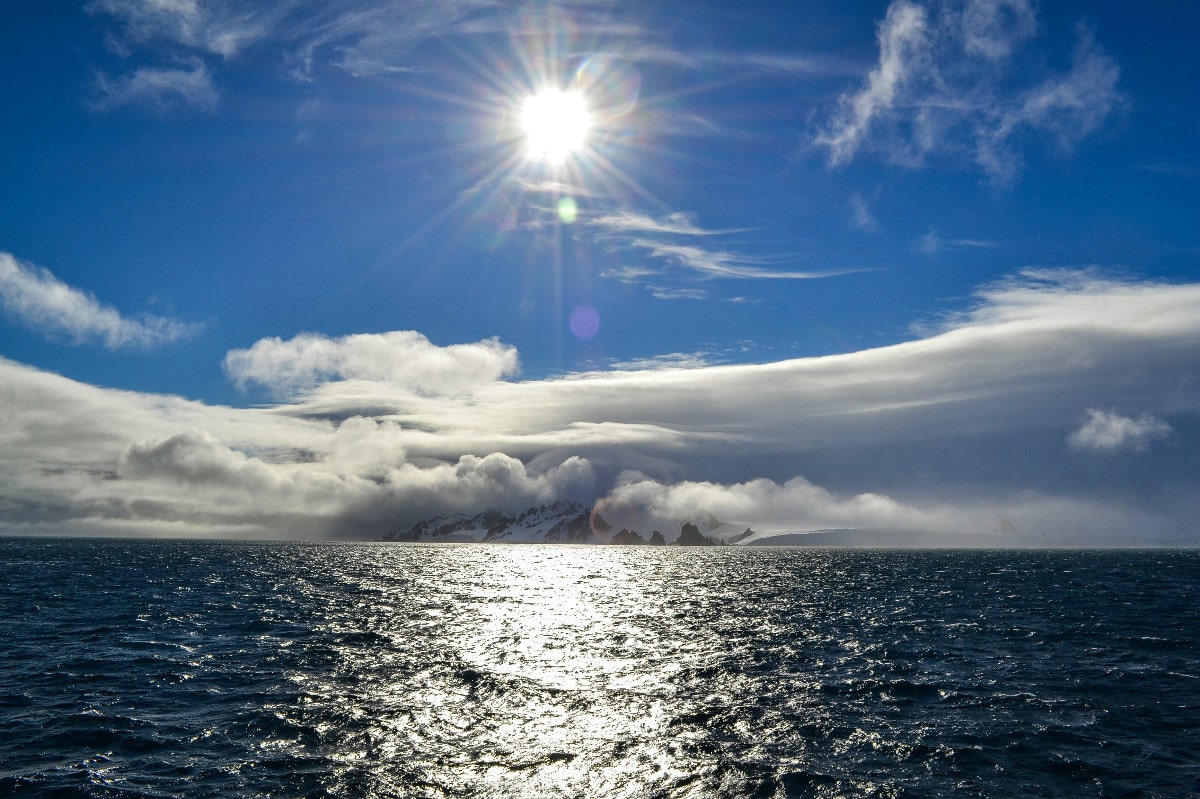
[555, 124]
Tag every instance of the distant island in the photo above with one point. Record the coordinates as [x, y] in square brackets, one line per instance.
[563, 522]
[568, 522]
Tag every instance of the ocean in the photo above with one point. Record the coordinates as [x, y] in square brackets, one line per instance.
[217, 669]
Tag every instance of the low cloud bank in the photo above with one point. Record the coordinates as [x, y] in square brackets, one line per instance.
[1026, 519]
[358, 487]
[1063, 405]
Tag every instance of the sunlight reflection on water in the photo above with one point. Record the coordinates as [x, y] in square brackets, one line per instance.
[560, 671]
[563, 665]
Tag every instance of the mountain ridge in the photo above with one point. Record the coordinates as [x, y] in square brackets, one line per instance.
[572, 522]
[561, 522]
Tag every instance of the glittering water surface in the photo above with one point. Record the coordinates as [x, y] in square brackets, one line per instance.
[218, 669]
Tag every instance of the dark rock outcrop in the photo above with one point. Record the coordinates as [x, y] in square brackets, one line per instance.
[560, 522]
[689, 536]
[445, 528]
[627, 537]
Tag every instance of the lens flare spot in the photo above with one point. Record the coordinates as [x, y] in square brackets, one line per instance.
[611, 84]
[555, 124]
[585, 322]
[611, 515]
[568, 210]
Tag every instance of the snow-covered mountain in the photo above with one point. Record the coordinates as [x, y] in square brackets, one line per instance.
[566, 522]
[563, 522]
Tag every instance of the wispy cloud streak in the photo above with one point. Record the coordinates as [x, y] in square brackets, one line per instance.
[949, 84]
[39, 300]
[361, 37]
[677, 223]
[676, 240]
[220, 28]
[158, 87]
[719, 263]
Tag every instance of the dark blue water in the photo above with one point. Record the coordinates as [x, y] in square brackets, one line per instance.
[290, 670]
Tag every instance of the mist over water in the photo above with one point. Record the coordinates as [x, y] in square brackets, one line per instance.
[219, 669]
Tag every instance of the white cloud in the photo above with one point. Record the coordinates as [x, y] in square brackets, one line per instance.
[1166, 167]
[949, 84]
[403, 358]
[38, 299]
[674, 239]
[796, 502]
[677, 223]
[673, 360]
[860, 215]
[712, 263]
[161, 88]
[555, 187]
[362, 37]
[932, 243]
[1082, 299]
[194, 458]
[994, 28]
[903, 50]
[954, 430]
[209, 26]
[768, 507]
[194, 465]
[1076, 104]
[1108, 431]
[79, 459]
[181, 37]
[677, 293]
[789, 63]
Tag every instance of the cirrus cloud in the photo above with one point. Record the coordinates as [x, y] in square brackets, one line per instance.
[949, 84]
[677, 240]
[158, 87]
[35, 297]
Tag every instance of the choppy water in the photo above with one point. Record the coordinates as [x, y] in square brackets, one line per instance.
[289, 670]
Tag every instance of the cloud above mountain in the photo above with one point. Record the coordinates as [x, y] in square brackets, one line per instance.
[973, 424]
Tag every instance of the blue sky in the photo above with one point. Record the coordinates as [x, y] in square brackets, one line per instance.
[283, 268]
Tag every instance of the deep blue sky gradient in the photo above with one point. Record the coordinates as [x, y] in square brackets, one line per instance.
[312, 205]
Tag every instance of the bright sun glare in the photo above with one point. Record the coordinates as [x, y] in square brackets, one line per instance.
[555, 124]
